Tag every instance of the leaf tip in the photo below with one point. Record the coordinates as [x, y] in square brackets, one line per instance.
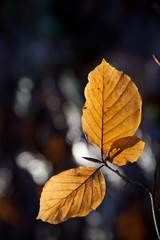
[38, 216]
[104, 61]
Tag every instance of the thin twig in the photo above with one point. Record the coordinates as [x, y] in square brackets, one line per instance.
[130, 181]
[155, 180]
[156, 59]
[154, 216]
[92, 160]
[152, 196]
[146, 188]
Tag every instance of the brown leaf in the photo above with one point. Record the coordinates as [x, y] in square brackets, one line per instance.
[113, 107]
[72, 193]
[125, 150]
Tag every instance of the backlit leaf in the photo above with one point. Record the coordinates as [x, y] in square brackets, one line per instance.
[112, 109]
[125, 150]
[71, 193]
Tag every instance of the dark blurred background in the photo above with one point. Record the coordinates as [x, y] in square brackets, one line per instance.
[47, 49]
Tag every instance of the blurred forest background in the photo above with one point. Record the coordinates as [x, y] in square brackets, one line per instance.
[47, 49]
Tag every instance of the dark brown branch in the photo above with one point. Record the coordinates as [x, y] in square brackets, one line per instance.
[155, 179]
[130, 181]
[156, 59]
[92, 160]
[144, 187]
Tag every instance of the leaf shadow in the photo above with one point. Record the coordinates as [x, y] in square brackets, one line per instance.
[120, 145]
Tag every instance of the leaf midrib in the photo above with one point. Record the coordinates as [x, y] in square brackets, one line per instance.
[74, 189]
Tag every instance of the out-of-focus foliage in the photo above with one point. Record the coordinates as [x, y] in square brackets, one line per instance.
[47, 49]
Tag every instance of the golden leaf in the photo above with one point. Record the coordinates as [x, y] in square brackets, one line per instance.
[112, 109]
[71, 193]
[125, 150]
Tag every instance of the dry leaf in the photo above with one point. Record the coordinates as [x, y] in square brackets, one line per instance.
[72, 193]
[112, 109]
[125, 150]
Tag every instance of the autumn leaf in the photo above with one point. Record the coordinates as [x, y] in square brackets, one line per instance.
[111, 115]
[125, 150]
[112, 111]
[72, 193]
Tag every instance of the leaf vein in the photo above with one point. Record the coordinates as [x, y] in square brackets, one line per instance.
[118, 136]
[92, 130]
[72, 191]
[122, 74]
[120, 108]
[120, 122]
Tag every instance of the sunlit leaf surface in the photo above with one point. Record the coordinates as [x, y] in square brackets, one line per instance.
[72, 193]
[112, 111]
[113, 106]
[125, 150]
